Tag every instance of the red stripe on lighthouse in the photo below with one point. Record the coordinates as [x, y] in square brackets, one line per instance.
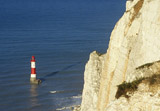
[33, 70]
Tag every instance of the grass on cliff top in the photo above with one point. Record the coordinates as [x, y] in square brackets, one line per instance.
[132, 86]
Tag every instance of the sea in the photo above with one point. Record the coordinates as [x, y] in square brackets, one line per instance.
[60, 34]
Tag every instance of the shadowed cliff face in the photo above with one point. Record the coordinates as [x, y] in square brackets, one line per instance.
[134, 41]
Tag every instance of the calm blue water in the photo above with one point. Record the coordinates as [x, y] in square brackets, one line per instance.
[60, 34]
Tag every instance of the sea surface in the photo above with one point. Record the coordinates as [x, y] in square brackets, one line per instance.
[60, 34]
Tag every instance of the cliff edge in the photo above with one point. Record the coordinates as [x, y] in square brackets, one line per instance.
[134, 42]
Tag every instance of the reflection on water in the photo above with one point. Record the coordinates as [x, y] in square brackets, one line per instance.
[34, 95]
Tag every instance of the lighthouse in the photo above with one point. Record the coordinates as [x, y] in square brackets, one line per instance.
[33, 78]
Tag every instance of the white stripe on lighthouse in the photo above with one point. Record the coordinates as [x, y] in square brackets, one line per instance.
[33, 75]
[33, 65]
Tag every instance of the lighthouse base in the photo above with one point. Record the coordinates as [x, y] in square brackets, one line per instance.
[35, 81]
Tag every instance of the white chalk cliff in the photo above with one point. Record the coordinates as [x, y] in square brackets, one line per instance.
[134, 41]
[92, 77]
[145, 98]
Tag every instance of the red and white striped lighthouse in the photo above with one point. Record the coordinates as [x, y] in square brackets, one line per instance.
[33, 68]
[33, 78]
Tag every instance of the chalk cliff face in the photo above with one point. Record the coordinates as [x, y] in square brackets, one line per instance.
[92, 77]
[134, 41]
[145, 98]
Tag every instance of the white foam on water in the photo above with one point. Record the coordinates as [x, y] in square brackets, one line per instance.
[64, 108]
[79, 96]
[76, 100]
[53, 92]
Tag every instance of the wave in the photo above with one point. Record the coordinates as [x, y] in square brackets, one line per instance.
[75, 101]
[65, 91]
